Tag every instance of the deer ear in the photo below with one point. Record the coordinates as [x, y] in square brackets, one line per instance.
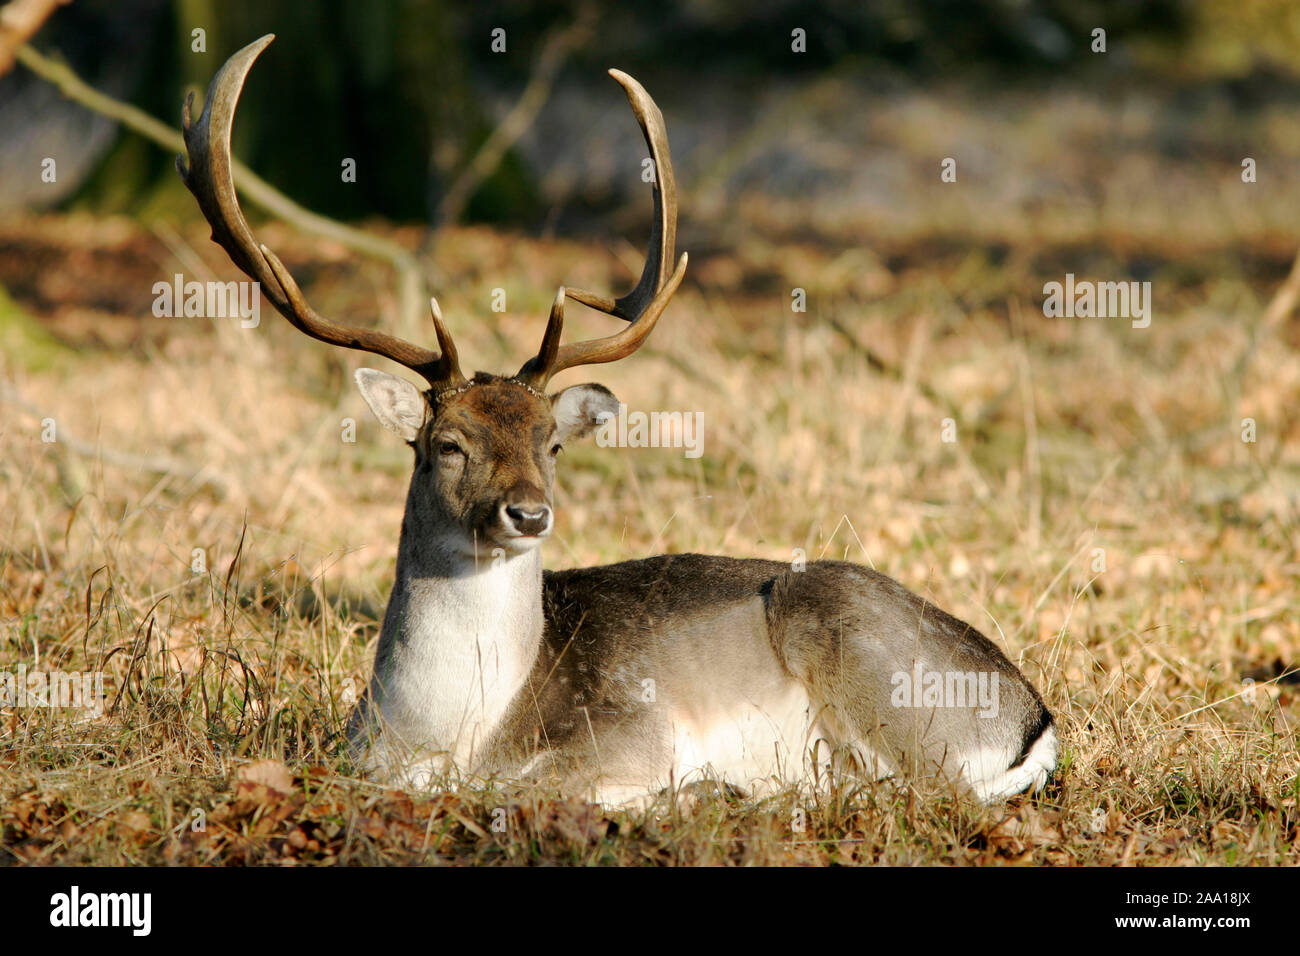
[581, 409]
[397, 403]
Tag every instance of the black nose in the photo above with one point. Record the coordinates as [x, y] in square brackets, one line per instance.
[530, 518]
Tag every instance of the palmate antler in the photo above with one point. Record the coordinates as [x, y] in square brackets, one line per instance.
[208, 177]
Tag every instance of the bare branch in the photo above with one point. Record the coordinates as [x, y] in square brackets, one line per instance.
[257, 190]
[156, 464]
[555, 50]
[19, 22]
[1285, 299]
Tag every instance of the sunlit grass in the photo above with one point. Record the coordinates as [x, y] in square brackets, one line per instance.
[1098, 516]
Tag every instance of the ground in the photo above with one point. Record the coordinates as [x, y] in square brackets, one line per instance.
[1117, 510]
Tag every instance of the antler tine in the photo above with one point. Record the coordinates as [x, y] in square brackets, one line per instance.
[448, 361]
[659, 280]
[208, 176]
[663, 228]
[546, 355]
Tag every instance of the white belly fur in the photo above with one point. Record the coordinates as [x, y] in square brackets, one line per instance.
[757, 746]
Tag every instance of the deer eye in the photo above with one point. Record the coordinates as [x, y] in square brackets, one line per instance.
[448, 448]
[556, 449]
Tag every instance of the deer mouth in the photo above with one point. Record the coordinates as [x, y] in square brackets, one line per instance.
[519, 541]
[500, 537]
[482, 548]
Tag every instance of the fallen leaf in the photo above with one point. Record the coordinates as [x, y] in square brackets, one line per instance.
[268, 773]
[1026, 829]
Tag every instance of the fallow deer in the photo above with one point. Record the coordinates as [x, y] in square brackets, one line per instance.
[493, 668]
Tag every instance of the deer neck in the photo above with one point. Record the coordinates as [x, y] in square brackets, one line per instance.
[460, 637]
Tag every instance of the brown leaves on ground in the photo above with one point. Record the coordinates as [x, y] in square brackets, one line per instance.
[1018, 835]
[266, 813]
[271, 815]
[568, 821]
[30, 824]
[262, 783]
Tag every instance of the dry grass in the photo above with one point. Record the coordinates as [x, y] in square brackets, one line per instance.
[1074, 435]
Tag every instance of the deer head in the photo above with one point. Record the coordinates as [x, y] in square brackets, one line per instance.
[485, 446]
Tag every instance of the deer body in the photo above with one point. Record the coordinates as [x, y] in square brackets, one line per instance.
[619, 681]
[646, 675]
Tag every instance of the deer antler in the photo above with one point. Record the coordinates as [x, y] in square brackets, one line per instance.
[646, 302]
[209, 179]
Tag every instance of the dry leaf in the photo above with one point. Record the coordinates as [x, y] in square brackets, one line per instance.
[269, 773]
[135, 822]
[1026, 829]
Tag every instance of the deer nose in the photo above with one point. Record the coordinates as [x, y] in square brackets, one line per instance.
[529, 518]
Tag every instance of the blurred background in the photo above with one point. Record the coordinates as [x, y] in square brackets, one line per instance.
[412, 89]
[835, 142]
[1118, 508]
[829, 139]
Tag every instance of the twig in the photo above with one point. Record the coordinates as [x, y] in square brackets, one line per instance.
[555, 50]
[19, 22]
[1284, 300]
[257, 190]
[879, 365]
[157, 464]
